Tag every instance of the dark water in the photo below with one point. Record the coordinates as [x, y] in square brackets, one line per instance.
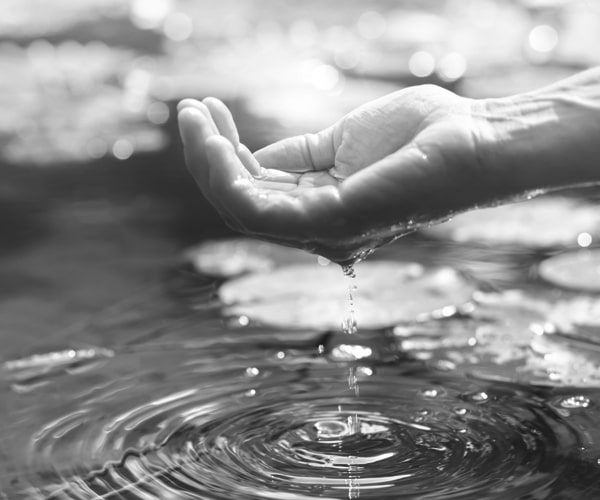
[160, 397]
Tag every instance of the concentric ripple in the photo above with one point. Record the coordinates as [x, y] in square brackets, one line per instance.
[288, 427]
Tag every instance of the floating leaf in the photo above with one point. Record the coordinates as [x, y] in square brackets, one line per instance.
[310, 296]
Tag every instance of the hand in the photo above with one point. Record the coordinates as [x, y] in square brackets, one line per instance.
[409, 157]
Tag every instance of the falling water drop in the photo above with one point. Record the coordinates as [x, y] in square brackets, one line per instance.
[349, 325]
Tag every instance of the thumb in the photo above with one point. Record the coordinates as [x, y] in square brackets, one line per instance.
[301, 153]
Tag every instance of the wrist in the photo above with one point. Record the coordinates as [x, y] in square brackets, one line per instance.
[545, 139]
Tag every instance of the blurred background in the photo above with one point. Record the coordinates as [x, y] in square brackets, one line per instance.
[95, 202]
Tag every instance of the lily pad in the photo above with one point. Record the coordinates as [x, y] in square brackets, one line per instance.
[312, 296]
[547, 222]
[577, 270]
[575, 314]
[227, 258]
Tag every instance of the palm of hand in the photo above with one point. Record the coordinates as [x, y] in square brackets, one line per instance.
[325, 191]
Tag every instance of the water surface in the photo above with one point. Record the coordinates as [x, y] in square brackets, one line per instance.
[160, 396]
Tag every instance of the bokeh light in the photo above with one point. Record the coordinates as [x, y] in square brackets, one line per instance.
[140, 54]
[584, 240]
[96, 148]
[303, 34]
[421, 64]
[178, 26]
[123, 149]
[452, 66]
[158, 113]
[371, 25]
[325, 77]
[543, 38]
[149, 14]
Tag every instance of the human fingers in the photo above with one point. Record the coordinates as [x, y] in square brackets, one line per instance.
[225, 123]
[313, 219]
[301, 153]
[255, 206]
[218, 114]
[266, 208]
[228, 129]
[200, 106]
[249, 161]
[223, 120]
[195, 129]
[269, 209]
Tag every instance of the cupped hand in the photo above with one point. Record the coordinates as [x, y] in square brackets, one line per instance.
[408, 157]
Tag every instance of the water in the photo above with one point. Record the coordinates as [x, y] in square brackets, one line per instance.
[350, 327]
[122, 379]
[172, 402]
[227, 430]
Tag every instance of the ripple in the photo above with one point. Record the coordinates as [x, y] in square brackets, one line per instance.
[285, 427]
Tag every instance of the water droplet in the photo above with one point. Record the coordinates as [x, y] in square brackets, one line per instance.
[448, 311]
[243, 320]
[252, 371]
[537, 329]
[353, 381]
[280, 355]
[354, 423]
[347, 352]
[460, 411]
[349, 325]
[477, 397]
[430, 393]
[575, 402]
[250, 393]
[364, 371]
[349, 271]
[323, 261]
